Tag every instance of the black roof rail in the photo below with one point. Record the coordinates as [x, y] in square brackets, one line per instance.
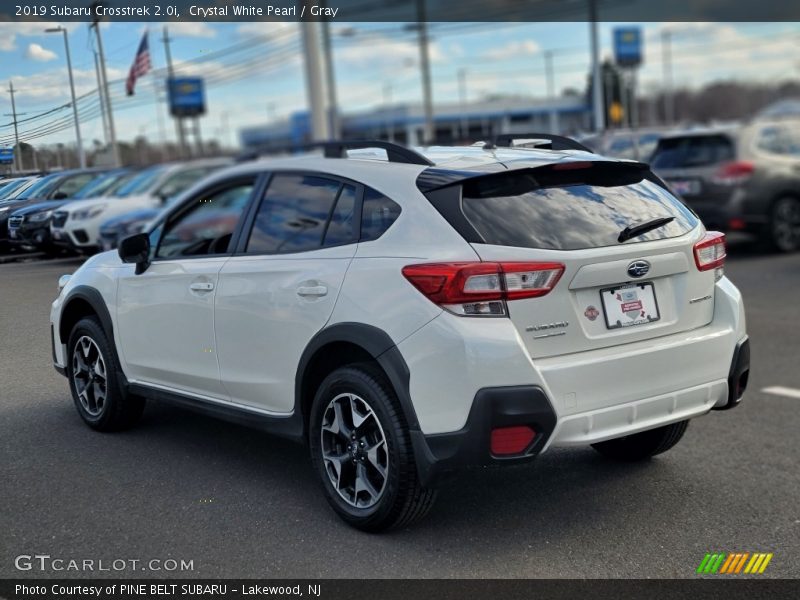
[551, 141]
[338, 149]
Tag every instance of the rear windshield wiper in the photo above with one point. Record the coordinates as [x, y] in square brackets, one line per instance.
[631, 232]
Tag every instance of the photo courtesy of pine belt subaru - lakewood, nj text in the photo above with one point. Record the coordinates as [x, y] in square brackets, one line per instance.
[408, 314]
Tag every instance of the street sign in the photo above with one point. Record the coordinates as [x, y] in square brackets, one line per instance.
[6, 156]
[186, 97]
[628, 46]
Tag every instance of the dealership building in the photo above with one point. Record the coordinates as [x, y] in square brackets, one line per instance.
[454, 123]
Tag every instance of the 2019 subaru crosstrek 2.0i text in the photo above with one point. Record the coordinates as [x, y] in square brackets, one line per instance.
[410, 317]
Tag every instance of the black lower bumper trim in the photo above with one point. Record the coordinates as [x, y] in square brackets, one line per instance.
[738, 375]
[441, 454]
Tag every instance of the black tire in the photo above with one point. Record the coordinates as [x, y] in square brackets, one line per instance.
[641, 446]
[784, 225]
[118, 410]
[402, 500]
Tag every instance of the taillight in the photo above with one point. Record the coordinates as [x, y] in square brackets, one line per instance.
[709, 253]
[734, 173]
[482, 288]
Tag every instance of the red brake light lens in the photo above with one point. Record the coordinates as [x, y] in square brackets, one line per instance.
[481, 288]
[733, 173]
[710, 252]
[508, 441]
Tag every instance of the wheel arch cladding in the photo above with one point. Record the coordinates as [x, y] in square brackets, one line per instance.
[347, 343]
[84, 301]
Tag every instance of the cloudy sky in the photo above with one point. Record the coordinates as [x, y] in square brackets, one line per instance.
[254, 71]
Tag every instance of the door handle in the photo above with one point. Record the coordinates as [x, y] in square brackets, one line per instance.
[201, 286]
[312, 290]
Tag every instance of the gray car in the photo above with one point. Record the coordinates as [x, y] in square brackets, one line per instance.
[739, 179]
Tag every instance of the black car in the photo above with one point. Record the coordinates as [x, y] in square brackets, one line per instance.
[50, 188]
[739, 179]
[30, 225]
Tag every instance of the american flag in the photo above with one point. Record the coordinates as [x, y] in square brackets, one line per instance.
[141, 65]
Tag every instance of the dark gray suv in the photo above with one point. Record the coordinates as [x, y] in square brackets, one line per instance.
[739, 179]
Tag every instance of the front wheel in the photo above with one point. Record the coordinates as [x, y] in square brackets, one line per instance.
[641, 446]
[101, 400]
[361, 450]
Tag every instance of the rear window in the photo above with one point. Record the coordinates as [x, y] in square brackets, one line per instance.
[515, 211]
[692, 151]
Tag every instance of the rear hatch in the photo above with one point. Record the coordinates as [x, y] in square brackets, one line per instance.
[700, 168]
[611, 292]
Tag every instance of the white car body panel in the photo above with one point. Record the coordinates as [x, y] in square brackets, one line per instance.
[241, 341]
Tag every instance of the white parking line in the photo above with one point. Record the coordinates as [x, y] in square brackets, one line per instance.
[777, 390]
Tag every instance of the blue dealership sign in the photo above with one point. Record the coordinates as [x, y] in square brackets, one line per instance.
[628, 46]
[6, 156]
[186, 96]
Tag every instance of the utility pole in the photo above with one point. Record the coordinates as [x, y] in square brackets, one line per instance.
[179, 125]
[387, 102]
[315, 81]
[111, 131]
[333, 108]
[425, 65]
[462, 102]
[102, 96]
[597, 93]
[551, 90]
[666, 65]
[81, 153]
[18, 162]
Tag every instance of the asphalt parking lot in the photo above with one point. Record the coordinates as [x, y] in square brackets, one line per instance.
[239, 503]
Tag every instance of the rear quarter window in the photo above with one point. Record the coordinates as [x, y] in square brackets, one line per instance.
[692, 151]
[515, 212]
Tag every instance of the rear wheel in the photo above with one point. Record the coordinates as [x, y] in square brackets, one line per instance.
[784, 227]
[641, 446]
[101, 400]
[361, 450]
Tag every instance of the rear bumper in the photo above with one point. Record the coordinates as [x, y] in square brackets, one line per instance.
[441, 454]
[725, 213]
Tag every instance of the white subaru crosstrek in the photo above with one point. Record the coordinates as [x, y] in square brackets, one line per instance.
[407, 318]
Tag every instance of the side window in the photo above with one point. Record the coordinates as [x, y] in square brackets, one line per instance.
[207, 226]
[377, 214]
[72, 184]
[342, 226]
[181, 181]
[294, 213]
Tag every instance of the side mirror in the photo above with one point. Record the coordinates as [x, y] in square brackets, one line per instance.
[60, 196]
[136, 250]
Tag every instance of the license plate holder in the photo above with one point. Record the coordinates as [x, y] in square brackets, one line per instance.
[630, 305]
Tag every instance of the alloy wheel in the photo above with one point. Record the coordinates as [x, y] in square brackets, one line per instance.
[89, 375]
[786, 224]
[354, 450]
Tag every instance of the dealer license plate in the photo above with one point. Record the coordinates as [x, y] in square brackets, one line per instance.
[629, 305]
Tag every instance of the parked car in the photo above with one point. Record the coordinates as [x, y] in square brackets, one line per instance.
[77, 224]
[739, 179]
[13, 186]
[30, 226]
[118, 228]
[620, 143]
[408, 319]
[53, 188]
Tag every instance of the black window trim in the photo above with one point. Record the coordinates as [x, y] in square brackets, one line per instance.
[179, 210]
[247, 226]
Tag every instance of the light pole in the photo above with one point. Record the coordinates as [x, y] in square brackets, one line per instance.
[81, 153]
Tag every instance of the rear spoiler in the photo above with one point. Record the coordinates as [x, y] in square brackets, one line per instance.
[565, 172]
